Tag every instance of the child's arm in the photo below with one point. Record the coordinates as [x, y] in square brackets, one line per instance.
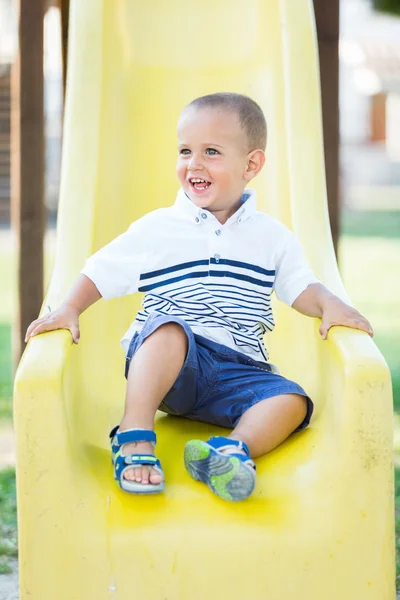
[318, 301]
[83, 294]
[111, 272]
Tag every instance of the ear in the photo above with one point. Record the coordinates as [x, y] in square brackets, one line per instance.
[254, 163]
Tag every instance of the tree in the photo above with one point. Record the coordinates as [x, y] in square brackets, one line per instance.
[388, 6]
[27, 166]
[327, 25]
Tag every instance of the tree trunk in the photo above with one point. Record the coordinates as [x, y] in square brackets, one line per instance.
[327, 21]
[64, 40]
[27, 166]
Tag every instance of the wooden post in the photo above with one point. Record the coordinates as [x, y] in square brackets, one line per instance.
[378, 118]
[27, 166]
[63, 6]
[64, 40]
[327, 21]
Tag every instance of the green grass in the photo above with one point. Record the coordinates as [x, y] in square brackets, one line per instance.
[397, 517]
[8, 519]
[368, 224]
[392, 7]
[369, 268]
[5, 374]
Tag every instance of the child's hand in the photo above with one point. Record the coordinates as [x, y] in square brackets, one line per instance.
[66, 317]
[337, 312]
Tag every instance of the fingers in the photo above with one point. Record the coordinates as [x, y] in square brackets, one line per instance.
[75, 333]
[369, 329]
[33, 326]
[363, 325]
[358, 321]
[324, 330]
[355, 323]
[47, 325]
[51, 322]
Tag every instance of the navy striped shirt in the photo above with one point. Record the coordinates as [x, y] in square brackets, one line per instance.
[218, 278]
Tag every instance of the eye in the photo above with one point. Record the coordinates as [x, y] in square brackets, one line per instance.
[184, 151]
[212, 151]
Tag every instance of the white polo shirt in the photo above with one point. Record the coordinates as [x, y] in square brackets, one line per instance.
[218, 278]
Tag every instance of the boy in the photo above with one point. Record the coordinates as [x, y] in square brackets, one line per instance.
[207, 265]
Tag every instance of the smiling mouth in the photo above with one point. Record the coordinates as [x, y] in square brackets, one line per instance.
[200, 185]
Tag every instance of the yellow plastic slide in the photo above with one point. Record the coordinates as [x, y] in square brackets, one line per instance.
[320, 523]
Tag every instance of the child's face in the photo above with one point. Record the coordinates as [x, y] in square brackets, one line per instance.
[213, 147]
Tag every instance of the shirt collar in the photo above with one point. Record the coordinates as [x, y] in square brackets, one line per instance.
[199, 215]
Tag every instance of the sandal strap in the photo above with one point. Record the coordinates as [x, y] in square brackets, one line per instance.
[219, 443]
[121, 463]
[133, 435]
[141, 459]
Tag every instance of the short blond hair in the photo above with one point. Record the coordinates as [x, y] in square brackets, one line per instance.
[251, 117]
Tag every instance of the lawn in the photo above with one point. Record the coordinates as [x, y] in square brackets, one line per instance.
[5, 374]
[8, 519]
[370, 267]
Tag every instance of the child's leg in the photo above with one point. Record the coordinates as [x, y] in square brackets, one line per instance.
[262, 427]
[269, 422]
[153, 370]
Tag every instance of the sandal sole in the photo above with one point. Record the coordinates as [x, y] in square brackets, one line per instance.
[141, 492]
[226, 476]
[138, 491]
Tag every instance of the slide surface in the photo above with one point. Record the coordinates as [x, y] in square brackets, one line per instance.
[320, 523]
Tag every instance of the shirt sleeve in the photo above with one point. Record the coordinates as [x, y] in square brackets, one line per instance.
[115, 269]
[292, 273]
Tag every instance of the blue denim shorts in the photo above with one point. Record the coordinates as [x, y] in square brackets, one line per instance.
[216, 384]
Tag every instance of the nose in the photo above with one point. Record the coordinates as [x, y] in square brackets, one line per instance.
[195, 163]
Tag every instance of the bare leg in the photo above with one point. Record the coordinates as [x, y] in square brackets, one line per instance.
[153, 370]
[268, 423]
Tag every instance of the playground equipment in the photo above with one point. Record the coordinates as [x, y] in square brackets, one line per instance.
[320, 523]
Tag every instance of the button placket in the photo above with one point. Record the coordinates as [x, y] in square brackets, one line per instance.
[217, 248]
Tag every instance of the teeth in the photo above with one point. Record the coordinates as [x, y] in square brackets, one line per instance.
[198, 180]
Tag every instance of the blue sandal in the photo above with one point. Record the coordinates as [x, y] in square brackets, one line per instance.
[230, 476]
[123, 462]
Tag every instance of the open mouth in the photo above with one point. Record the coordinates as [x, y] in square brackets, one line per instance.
[199, 185]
